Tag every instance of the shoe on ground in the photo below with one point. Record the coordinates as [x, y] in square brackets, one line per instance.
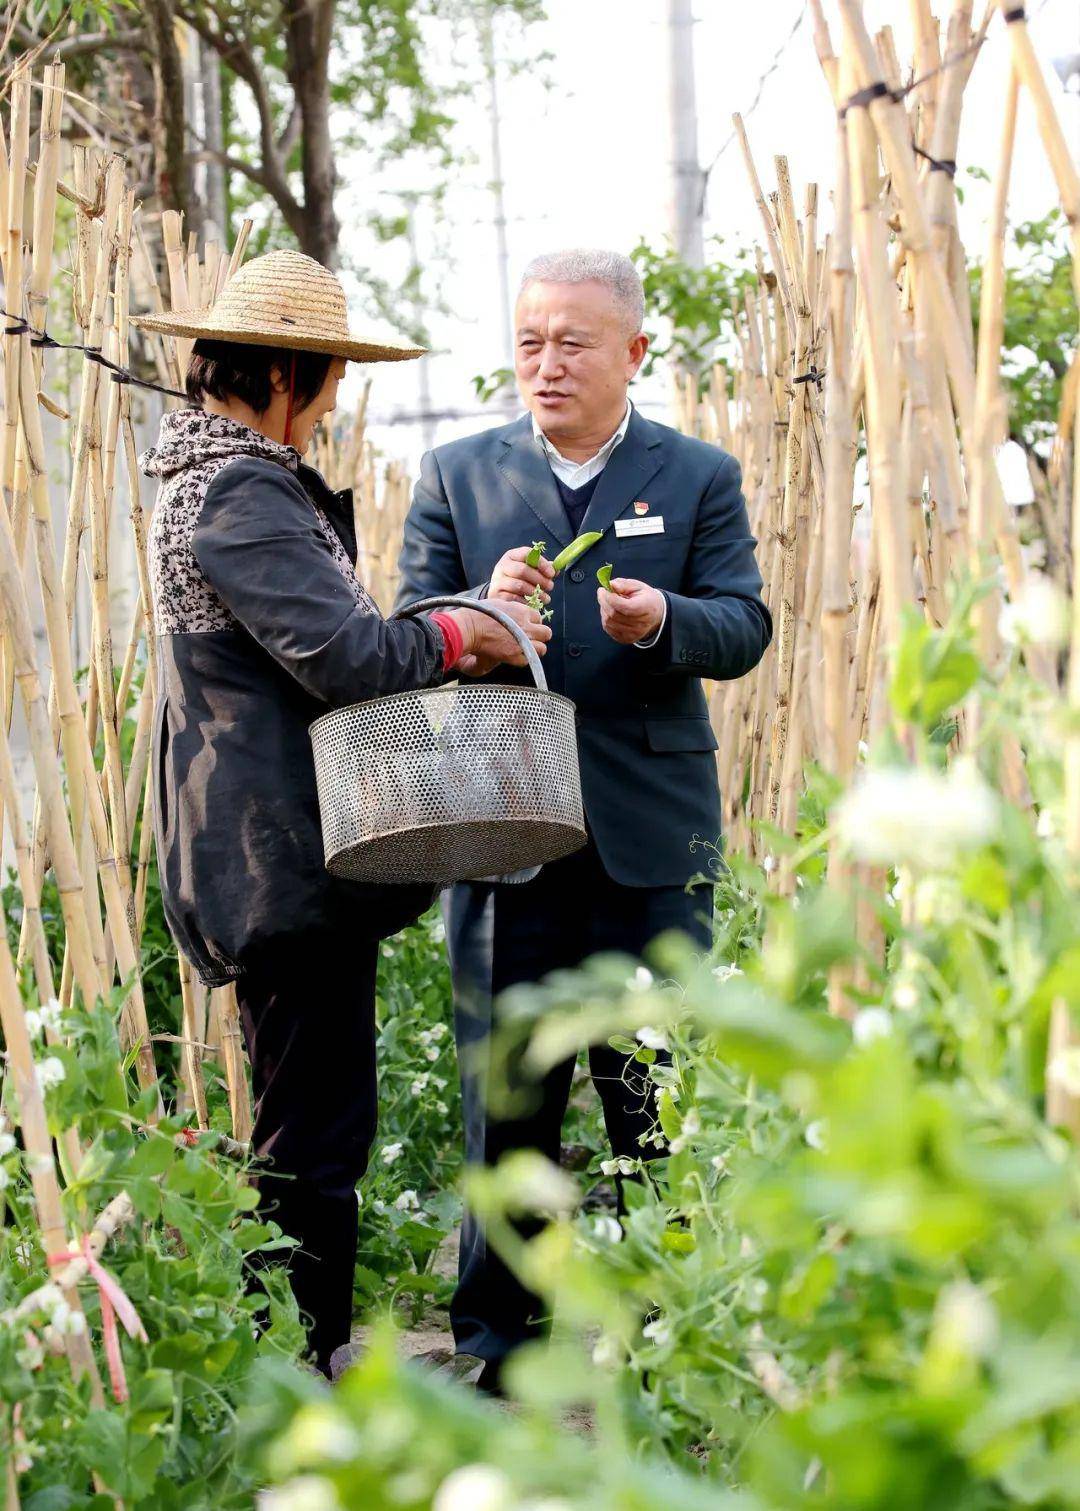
[466, 1369]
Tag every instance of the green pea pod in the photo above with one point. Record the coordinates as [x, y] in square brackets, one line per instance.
[603, 575]
[533, 558]
[575, 549]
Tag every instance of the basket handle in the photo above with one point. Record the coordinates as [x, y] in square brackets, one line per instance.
[481, 605]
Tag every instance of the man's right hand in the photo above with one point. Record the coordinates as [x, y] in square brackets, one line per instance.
[486, 642]
[512, 581]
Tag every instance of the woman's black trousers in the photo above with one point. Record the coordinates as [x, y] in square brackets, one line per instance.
[308, 1012]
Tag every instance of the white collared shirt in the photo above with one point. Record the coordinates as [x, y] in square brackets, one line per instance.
[577, 474]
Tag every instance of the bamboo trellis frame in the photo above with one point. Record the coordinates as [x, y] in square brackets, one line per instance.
[84, 818]
[866, 335]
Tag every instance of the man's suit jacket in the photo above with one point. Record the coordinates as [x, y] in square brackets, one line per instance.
[646, 745]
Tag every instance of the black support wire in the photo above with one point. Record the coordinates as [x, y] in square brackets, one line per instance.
[117, 374]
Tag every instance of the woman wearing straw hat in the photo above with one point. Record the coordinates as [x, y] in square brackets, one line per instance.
[261, 625]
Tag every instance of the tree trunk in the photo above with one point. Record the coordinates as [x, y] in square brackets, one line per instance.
[171, 173]
[687, 179]
[308, 29]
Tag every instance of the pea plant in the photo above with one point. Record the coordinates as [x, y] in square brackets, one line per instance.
[195, 1314]
[409, 1202]
[849, 1277]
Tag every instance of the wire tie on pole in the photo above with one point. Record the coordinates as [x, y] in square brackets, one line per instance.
[878, 90]
[119, 374]
[937, 164]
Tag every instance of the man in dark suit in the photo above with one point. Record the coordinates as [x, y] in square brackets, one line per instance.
[684, 604]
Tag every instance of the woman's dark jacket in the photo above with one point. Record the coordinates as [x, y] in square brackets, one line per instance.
[261, 626]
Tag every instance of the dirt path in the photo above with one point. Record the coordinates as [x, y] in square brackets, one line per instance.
[434, 1333]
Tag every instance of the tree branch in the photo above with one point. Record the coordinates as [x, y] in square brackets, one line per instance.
[277, 188]
[235, 53]
[290, 134]
[88, 42]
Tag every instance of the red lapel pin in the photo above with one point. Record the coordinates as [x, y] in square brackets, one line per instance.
[641, 507]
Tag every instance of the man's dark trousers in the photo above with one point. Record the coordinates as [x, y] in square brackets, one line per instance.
[670, 512]
[500, 936]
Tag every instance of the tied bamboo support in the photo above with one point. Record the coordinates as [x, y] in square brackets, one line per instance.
[866, 342]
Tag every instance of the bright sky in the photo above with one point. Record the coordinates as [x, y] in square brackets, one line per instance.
[586, 161]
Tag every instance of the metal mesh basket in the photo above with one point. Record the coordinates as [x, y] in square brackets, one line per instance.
[449, 783]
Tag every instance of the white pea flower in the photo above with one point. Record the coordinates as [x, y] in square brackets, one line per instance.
[815, 1134]
[419, 1085]
[438, 1032]
[658, 1332]
[441, 1108]
[870, 1024]
[307, 1492]
[49, 1297]
[7, 1144]
[607, 1229]
[652, 1038]
[424, 1036]
[439, 1082]
[379, 1207]
[39, 1164]
[917, 817]
[719, 1163]
[31, 1355]
[641, 980]
[725, 972]
[60, 1314]
[535, 1184]
[34, 1022]
[607, 1352]
[1046, 826]
[431, 1054]
[937, 902]
[905, 996]
[672, 1091]
[768, 865]
[620, 1166]
[474, 1487]
[1039, 615]
[864, 750]
[965, 1319]
[50, 1072]
[51, 1013]
[390, 1153]
[1064, 1070]
[318, 1432]
[408, 1201]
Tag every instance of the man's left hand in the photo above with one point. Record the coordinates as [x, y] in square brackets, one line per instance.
[631, 611]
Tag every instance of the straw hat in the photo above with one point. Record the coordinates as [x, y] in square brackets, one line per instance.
[281, 299]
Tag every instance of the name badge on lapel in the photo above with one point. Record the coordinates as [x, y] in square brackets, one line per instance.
[651, 524]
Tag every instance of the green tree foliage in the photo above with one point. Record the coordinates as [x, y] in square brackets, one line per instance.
[698, 306]
[1040, 327]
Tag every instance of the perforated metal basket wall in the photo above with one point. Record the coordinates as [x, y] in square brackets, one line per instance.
[448, 783]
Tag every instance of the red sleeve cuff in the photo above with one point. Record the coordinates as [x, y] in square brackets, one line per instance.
[453, 640]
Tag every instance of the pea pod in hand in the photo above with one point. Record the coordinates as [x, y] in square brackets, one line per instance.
[575, 549]
[603, 575]
[533, 558]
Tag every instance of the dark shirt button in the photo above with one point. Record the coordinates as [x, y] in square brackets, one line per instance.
[577, 575]
[573, 649]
